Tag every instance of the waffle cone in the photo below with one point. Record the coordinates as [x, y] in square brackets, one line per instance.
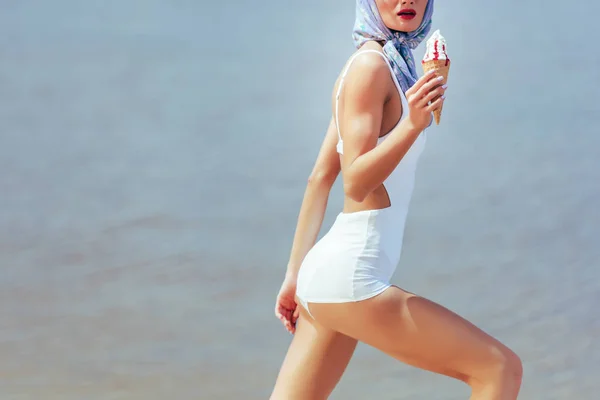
[442, 67]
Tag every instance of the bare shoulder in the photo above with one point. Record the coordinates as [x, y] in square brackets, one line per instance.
[367, 68]
[369, 61]
[367, 78]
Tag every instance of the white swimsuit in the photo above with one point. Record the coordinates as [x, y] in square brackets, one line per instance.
[356, 259]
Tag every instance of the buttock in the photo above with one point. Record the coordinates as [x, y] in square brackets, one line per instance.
[349, 263]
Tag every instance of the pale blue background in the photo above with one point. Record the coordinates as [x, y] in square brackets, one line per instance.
[153, 157]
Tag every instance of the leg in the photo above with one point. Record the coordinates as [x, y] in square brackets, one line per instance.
[428, 336]
[315, 362]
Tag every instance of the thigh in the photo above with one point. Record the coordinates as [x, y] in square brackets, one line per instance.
[315, 362]
[416, 331]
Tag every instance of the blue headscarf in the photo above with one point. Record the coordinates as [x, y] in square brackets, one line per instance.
[398, 45]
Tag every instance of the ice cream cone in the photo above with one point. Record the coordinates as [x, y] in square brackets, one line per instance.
[437, 58]
[442, 67]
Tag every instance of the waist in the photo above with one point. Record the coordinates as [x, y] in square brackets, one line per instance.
[384, 222]
[367, 232]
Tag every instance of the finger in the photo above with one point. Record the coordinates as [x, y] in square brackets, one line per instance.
[427, 77]
[296, 315]
[279, 308]
[429, 86]
[416, 98]
[436, 104]
[280, 313]
[432, 96]
[282, 320]
[286, 324]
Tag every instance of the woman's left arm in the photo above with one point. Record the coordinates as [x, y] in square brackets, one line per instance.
[324, 173]
[323, 176]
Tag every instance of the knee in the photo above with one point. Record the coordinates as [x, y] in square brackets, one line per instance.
[507, 365]
[502, 367]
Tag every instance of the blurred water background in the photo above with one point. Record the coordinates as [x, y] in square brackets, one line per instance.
[153, 157]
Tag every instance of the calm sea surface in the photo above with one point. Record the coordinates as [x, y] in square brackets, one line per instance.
[153, 157]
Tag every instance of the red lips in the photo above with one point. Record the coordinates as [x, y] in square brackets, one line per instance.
[407, 13]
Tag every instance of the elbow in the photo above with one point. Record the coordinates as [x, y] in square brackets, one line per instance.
[355, 192]
[325, 178]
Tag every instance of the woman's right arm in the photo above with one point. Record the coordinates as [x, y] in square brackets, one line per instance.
[367, 165]
[314, 204]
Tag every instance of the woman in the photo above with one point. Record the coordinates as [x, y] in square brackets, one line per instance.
[342, 292]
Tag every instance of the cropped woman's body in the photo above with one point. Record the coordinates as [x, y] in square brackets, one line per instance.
[343, 285]
[356, 259]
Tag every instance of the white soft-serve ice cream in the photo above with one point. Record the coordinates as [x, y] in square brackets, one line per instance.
[437, 58]
[436, 48]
